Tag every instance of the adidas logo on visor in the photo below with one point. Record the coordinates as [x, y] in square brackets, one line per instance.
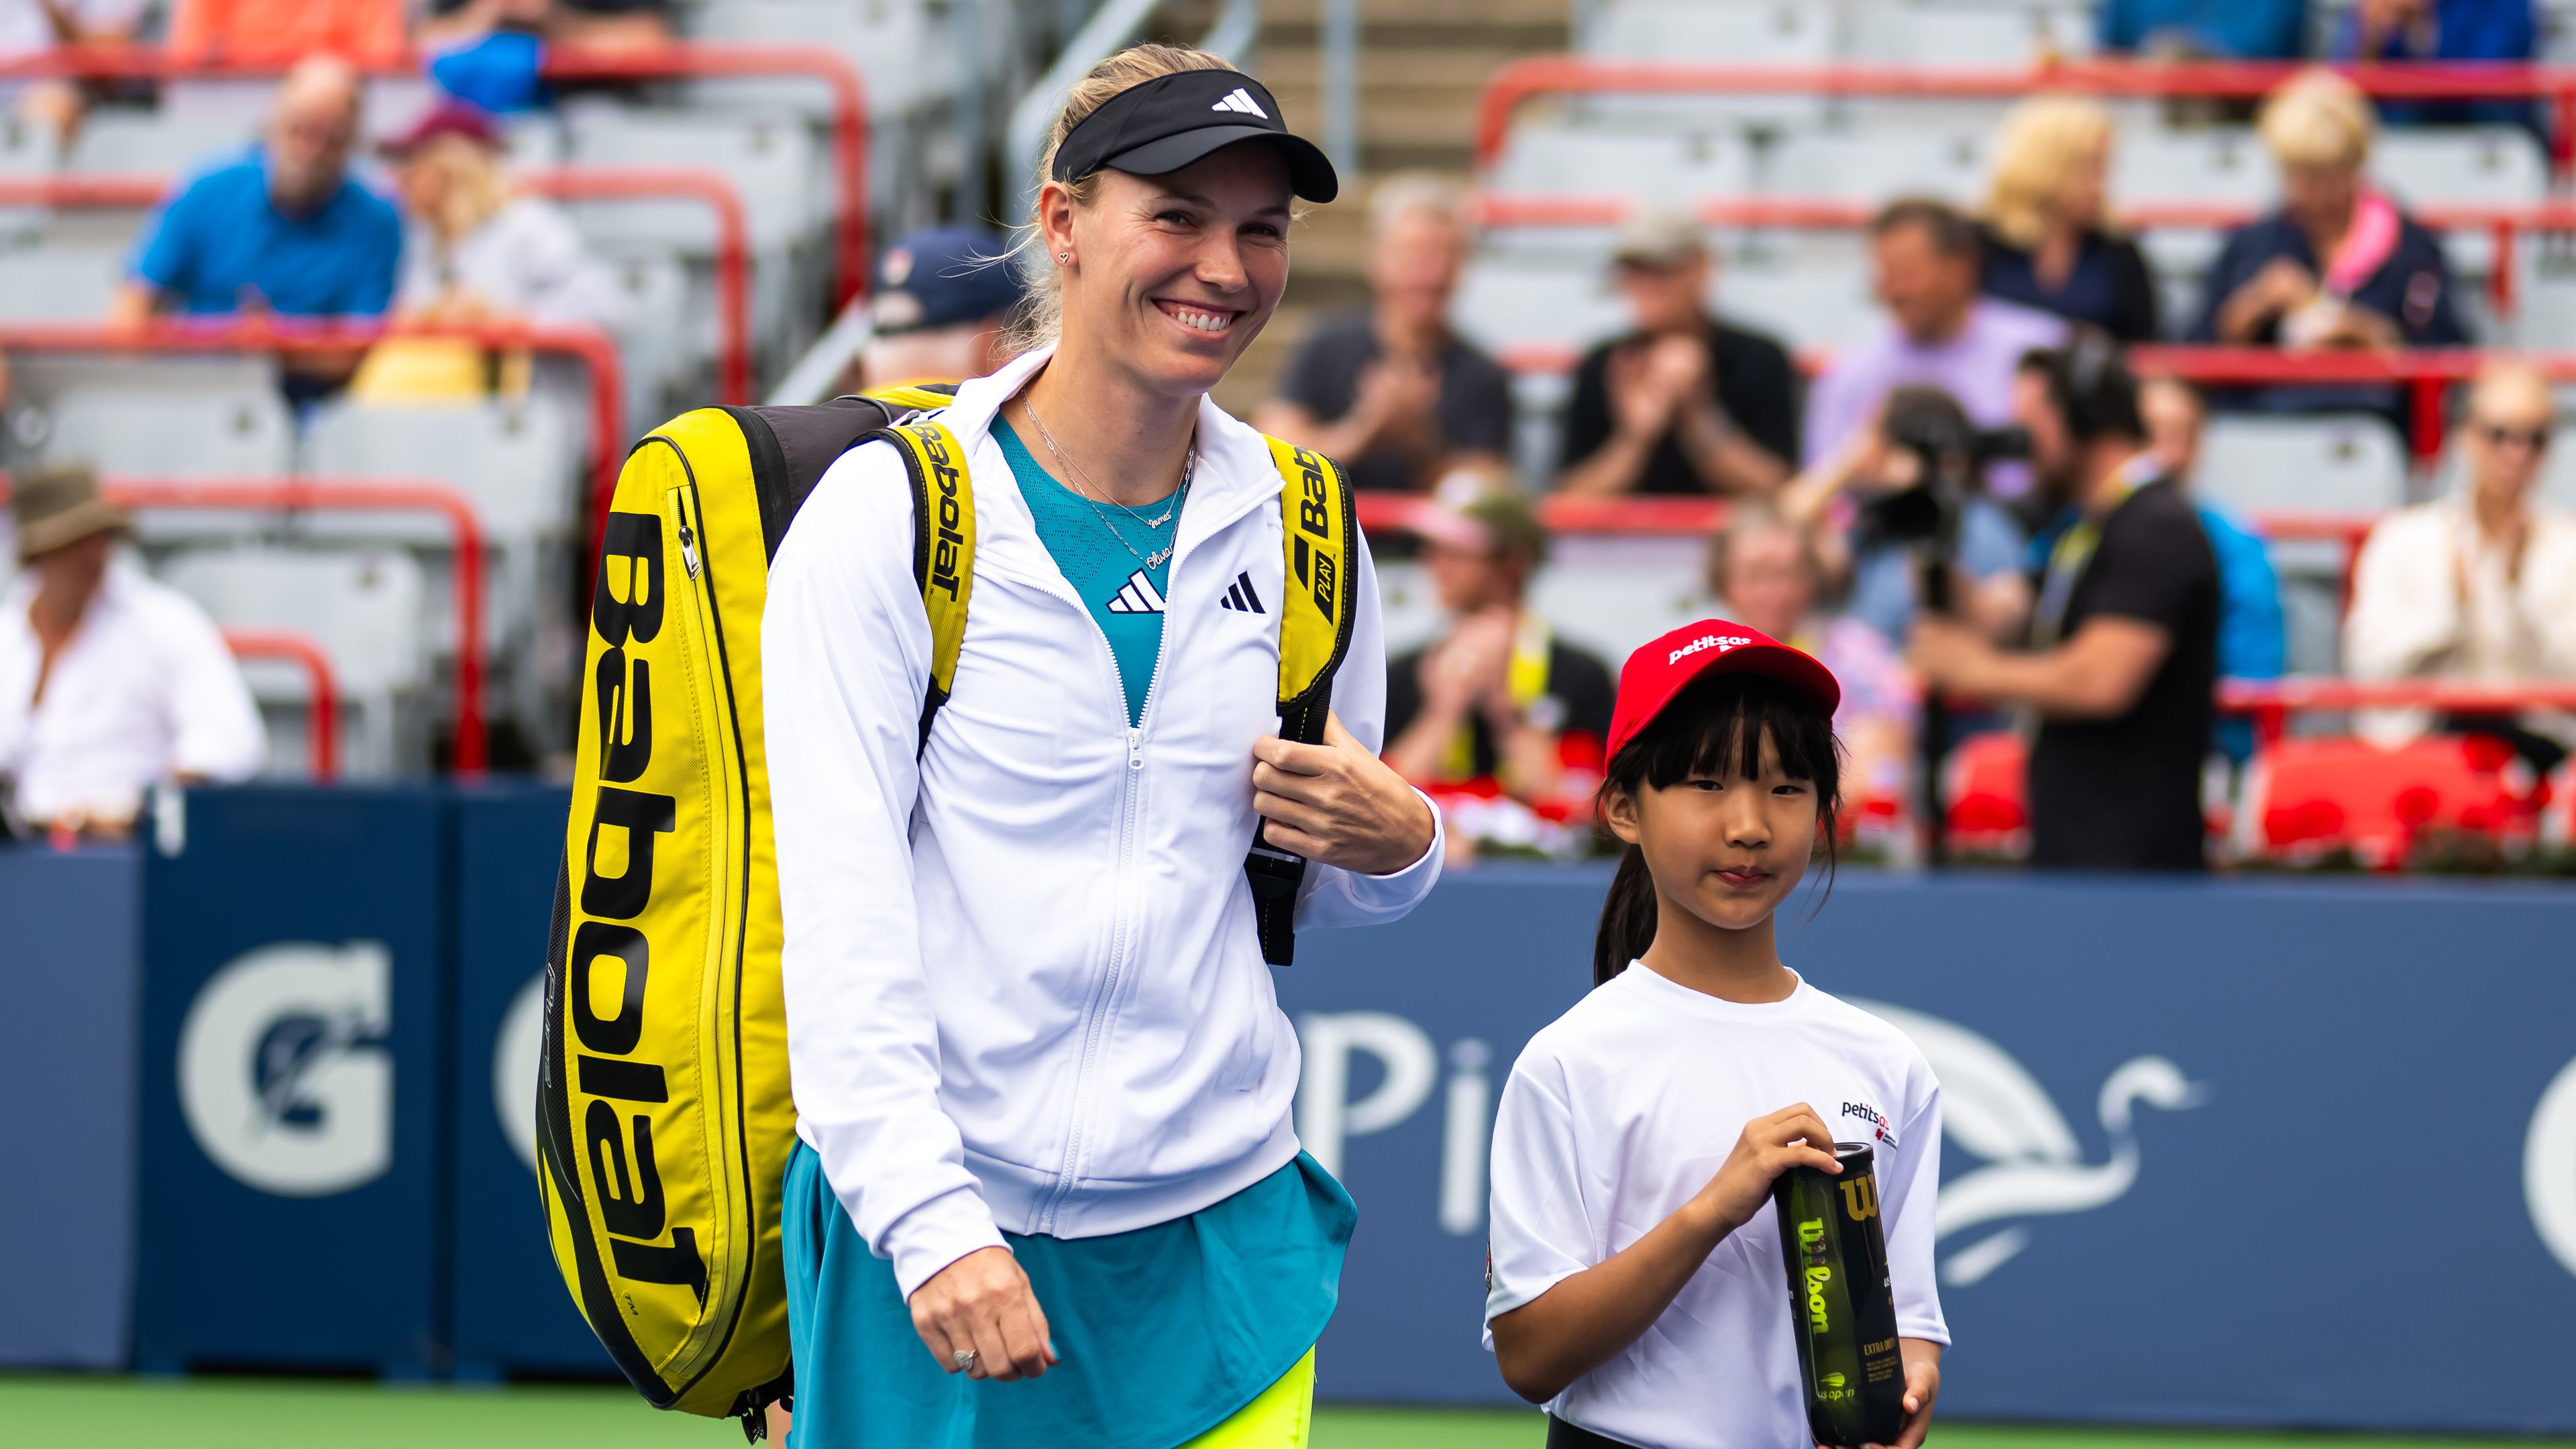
[1241, 100]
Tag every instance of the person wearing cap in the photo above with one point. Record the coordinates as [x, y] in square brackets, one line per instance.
[1497, 697]
[110, 682]
[2122, 663]
[480, 249]
[1683, 404]
[1049, 1188]
[940, 311]
[1632, 1280]
[1390, 389]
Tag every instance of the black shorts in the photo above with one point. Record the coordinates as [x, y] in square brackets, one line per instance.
[1562, 1435]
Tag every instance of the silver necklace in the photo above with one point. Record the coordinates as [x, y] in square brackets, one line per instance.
[1189, 468]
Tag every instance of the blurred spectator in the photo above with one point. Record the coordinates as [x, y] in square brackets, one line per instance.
[30, 28]
[476, 252]
[590, 23]
[283, 229]
[109, 682]
[1497, 698]
[1767, 572]
[2382, 281]
[1847, 497]
[2124, 634]
[943, 299]
[1390, 390]
[2208, 29]
[2444, 30]
[1685, 403]
[2480, 587]
[2046, 242]
[2252, 637]
[1925, 259]
[367, 33]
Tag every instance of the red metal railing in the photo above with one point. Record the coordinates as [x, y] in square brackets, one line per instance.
[674, 61]
[567, 183]
[322, 712]
[2272, 701]
[270, 334]
[1521, 81]
[465, 533]
[2426, 374]
[2505, 224]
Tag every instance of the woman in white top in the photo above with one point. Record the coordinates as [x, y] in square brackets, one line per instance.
[2478, 588]
[479, 250]
[1636, 1285]
[1048, 1189]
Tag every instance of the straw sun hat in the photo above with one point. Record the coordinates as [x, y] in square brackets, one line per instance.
[59, 505]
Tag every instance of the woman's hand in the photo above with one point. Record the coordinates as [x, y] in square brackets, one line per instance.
[982, 1305]
[1791, 1137]
[1336, 804]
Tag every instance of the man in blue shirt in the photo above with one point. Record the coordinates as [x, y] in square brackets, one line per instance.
[282, 229]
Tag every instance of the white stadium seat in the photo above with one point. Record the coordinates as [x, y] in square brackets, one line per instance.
[1742, 32]
[1876, 166]
[2344, 464]
[1594, 161]
[59, 283]
[364, 609]
[1502, 301]
[148, 430]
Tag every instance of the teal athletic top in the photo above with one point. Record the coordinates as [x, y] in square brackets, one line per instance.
[1125, 596]
[1160, 1334]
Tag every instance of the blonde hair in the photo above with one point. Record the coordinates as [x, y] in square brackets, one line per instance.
[476, 189]
[1039, 319]
[1426, 193]
[2044, 140]
[2318, 118]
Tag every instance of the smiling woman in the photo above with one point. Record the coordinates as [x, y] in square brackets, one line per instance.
[1049, 1190]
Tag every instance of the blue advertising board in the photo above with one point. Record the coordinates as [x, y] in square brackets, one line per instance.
[68, 961]
[292, 1082]
[2286, 1152]
[511, 1313]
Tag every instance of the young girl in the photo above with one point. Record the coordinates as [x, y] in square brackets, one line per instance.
[1637, 1287]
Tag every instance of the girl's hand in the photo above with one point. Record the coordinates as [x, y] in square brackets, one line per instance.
[983, 1303]
[1922, 1386]
[1336, 804]
[1791, 1137]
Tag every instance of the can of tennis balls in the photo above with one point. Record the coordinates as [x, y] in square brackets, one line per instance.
[1842, 1308]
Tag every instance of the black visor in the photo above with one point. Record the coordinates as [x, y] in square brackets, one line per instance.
[1171, 121]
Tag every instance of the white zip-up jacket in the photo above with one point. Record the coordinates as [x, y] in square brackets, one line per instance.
[1023, 985]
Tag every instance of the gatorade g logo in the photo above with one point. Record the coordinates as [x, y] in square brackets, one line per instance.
[1860, 1198]
[948, 535]
[612, 960]
[1315, 567]
[283, 1074]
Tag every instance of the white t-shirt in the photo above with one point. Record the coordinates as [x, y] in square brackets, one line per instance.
[1621, 1111]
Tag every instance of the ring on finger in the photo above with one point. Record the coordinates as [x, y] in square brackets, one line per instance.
[964, 1359]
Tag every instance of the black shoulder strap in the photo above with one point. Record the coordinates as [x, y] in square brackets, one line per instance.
[792, 446]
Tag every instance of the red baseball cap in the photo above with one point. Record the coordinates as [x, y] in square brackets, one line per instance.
[1663, 668]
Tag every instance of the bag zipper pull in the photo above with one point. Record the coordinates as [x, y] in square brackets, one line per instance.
[688, 548]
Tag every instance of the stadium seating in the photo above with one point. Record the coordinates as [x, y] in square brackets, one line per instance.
[2305, 798]
[2352, 464]
[365, 609]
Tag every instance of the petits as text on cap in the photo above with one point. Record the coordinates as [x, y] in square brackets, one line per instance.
[1661, 669]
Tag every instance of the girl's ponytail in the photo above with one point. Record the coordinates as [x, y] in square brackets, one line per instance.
[1627, 918]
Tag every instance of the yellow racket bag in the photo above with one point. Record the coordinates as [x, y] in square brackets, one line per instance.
[664, 1122]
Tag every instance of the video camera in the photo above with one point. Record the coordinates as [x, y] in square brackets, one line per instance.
[1950, 456]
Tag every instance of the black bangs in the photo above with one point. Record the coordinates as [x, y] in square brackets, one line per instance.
[1720, 720]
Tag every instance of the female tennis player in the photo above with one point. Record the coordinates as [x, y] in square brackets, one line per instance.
[1048, 1191]
[1636, 1284]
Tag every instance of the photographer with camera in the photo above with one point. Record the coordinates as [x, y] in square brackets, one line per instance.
[2123, 632]
[1870, 505]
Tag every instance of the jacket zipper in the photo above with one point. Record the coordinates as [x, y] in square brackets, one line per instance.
[1096, 1023]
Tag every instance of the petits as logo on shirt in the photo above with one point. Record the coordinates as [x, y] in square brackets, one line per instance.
[1877, 1123]
[1719, 642]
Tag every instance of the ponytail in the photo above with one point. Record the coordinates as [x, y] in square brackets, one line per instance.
[1627, 918]
[1717, 722]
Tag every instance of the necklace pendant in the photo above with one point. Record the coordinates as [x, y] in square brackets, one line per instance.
[1155, 559]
